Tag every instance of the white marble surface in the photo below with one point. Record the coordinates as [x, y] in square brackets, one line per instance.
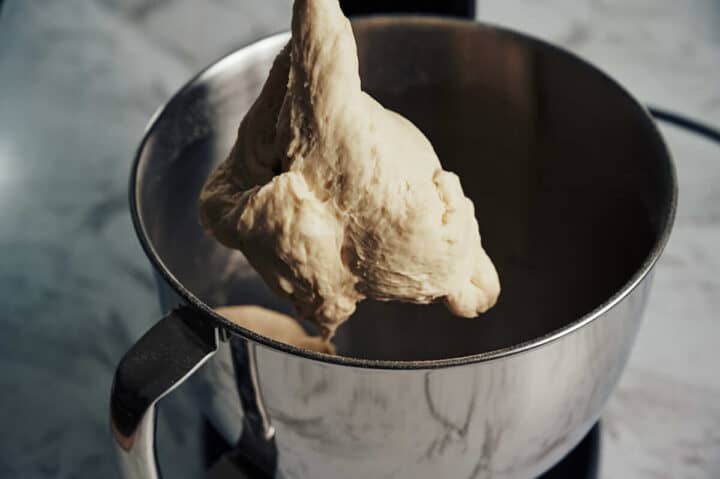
[80, 78]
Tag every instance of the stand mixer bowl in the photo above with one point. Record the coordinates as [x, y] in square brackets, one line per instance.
[575, 194]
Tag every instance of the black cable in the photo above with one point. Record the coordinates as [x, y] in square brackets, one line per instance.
[687, 123]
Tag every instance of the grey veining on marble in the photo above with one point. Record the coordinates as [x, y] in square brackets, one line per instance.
[79, 80]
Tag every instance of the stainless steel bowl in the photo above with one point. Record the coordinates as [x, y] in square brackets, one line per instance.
[575, 195]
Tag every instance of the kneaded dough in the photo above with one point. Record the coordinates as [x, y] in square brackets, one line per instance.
[333, 198]
[276, 326]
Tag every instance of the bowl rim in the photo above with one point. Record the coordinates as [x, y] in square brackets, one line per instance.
[669, 209]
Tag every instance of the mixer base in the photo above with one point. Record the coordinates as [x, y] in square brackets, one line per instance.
[583, 462]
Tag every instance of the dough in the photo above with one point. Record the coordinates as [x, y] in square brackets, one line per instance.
[333, 198]
[276, 326]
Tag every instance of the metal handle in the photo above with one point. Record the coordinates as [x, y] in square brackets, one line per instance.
[158, 363]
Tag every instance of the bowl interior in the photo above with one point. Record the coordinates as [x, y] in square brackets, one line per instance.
[571, 182]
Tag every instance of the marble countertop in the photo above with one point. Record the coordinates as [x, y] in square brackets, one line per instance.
[79, 80]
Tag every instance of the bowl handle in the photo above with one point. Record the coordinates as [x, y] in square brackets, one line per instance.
[159, 362]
